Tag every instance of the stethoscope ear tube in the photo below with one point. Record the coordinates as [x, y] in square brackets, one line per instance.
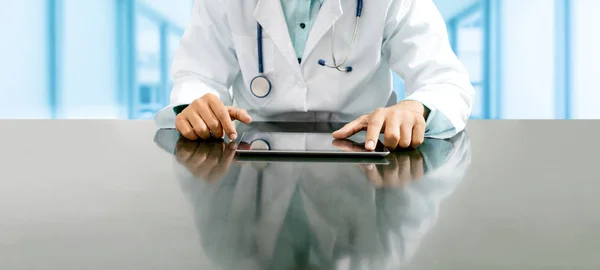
[335, 65]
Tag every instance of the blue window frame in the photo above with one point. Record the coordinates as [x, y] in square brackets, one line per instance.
[146, 45]
[563, 59]
[467, 37]
[488, 88]
[54, 9]
[475, 38]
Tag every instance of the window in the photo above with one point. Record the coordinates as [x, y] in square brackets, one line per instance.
[145, 54]
[583, 59]
[467, 37]
[148, 67]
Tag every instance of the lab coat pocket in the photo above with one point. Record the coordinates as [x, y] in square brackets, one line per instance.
[246, 48]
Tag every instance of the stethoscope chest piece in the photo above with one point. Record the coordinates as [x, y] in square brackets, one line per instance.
[260, 86]
[260, 145]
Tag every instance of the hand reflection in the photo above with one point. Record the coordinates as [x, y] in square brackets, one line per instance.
[208, 160]
[404, 167]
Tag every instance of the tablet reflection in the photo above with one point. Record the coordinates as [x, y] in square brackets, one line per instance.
[258, 214]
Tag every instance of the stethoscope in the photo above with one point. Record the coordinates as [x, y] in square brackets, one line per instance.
[261, 87]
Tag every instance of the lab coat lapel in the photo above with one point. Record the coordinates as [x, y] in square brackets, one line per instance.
[269, 14]
[329, 14]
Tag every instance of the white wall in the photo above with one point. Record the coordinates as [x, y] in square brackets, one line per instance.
[585, 100]
[528, 59]
[23, 65]
[89, 60]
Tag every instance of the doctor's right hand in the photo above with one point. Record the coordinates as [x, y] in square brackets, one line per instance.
[208, 117]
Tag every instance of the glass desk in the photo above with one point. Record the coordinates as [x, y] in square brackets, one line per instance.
[119, 195]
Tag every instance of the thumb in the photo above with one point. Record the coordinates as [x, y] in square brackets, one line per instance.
[239, 114]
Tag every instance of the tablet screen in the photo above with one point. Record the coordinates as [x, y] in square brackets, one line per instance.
[304, 143]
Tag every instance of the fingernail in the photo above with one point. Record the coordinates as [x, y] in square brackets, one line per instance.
[233, 136]
[370, 167]
[371, 145]
[232, 146]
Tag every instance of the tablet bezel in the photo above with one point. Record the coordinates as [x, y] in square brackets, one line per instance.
[320, 153]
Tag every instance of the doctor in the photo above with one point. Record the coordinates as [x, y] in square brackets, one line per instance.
[266, 60]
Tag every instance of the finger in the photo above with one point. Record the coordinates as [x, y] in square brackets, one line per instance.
[373, 175]
[199, 126]
[199, 156]
[216, 150]
[404, 170]
[405, 134]
[392, 132]
[418, 133]
[376, 122]
[204, 148]
[208, 165]
[416, 166]
[185, 128]
[184, 150]
[223, 166]
[210, 119]
[222, 114]
[351, 128]
[239, 114]
[365, 167]
[390, 175]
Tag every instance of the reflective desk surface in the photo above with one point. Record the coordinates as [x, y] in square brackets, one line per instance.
[117, 195]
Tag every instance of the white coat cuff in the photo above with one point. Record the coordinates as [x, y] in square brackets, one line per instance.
[439, 126]
[183, 93]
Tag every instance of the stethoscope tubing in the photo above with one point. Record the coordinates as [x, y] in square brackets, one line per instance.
[259, 41]
[260, 48]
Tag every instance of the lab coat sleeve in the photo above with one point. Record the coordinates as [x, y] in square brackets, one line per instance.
[416, 45]
[205, 61]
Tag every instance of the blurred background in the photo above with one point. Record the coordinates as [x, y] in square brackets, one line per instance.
[529, 59]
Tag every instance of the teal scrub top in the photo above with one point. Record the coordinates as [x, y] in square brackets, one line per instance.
[300, 16]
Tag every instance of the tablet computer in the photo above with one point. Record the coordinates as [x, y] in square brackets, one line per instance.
[339, 159]
[295, 143]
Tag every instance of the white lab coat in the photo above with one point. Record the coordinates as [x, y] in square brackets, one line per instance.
[218, 55]
[378, 228]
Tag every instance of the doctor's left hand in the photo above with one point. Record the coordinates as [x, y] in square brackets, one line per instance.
[207, 117]
[403, 125]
